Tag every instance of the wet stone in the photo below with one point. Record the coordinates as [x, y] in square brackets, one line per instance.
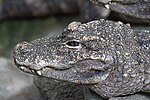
[15, 85]
[132, 97]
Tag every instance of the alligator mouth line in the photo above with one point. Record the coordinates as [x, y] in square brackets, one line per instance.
[38, 71]
[31, 71]
[106, 5]
[125, 3]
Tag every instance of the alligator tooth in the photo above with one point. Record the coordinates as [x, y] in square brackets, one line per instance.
[33, 71]
[22, 68]
[107, 6]
[120, 23]
[39, 72]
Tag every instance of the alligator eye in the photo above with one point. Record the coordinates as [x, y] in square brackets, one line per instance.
[73, 44]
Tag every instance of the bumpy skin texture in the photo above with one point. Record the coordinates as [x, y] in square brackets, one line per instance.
[111, 57]
[135, 8]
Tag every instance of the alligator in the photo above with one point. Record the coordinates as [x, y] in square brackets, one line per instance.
[135, 8]
[109, 57]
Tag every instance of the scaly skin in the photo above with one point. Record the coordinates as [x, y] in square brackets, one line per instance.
[135, 8]
[109, 56]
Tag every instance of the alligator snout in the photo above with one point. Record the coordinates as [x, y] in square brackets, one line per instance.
[21, 48]
[21, 52]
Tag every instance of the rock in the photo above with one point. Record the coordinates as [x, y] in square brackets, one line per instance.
[132, 97]
[15, 85]
[37, 8]
[57, 90]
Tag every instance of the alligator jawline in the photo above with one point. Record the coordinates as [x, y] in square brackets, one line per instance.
[38, 71]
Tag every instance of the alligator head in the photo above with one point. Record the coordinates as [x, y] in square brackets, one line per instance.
[83, 53]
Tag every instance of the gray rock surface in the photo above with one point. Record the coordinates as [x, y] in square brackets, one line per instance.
[132, 97]
[58, 90]
[15, 85]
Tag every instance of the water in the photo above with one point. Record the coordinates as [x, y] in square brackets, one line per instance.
[15, 31]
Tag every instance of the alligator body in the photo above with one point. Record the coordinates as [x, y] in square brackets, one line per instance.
[110, 57]
[135, 8]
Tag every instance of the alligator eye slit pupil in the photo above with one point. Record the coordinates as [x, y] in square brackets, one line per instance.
[73, 43]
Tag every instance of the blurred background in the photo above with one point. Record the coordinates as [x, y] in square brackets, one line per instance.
[26, 20]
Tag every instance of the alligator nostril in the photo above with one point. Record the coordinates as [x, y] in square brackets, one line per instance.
[21, 48]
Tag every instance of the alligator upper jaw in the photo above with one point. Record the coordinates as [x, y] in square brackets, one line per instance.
[30, 71]
[38, 71]
[109, 3]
